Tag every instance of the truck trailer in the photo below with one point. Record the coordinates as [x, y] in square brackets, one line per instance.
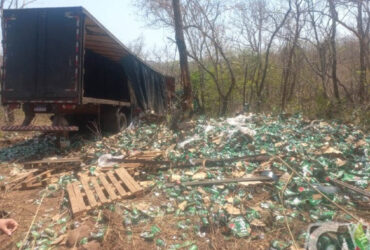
[64, 62]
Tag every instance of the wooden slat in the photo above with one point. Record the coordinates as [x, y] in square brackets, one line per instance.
[108, 187]
[108, 50]
[23, 176]
[73, 200]
[46, 179]
[108, 53]
[92, 44]
[128, 180]
[95, 29]
[146, 155]
[104, 39]
[79, 198]
[123, 178]
[32, 178]
[131, 165]
[98, 190]
[65, 163]
[63, 160]
[90, 196]
[117, 185]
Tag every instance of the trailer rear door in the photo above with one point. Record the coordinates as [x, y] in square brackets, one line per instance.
[42, 55]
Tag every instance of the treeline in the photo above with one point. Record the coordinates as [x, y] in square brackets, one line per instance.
[291, 55]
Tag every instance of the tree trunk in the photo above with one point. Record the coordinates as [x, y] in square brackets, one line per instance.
[334, 16]
[245, 84]
[287, 79]
[362, 81]
[322, 55]
[184, 65]
[284, 81]
[224, 105]
[260, 88]
[202, 89]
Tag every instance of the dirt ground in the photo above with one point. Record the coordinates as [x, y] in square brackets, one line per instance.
[22, 206]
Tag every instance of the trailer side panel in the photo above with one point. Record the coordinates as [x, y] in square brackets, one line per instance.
[42, 55]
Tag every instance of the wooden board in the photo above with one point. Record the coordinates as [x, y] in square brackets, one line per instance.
[67, 163]
[93, 192]
[144, 155]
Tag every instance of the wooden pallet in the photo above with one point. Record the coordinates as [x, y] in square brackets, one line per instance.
[54, 163]
[93, 192]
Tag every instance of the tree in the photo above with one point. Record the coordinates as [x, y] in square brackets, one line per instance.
[261, 85]
[169, 14]
[252, 19]
[206, 18]
[184, 65]
[361, 31]
[288, 84]
[137, 47]
[320, 30]
[333, 47]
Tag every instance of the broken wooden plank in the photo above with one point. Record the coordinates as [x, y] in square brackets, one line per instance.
[41, 180]
[22, 176]
[35, 177]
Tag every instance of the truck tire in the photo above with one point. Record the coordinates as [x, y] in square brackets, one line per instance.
[112, 120]
[122, 121]
[83, 122]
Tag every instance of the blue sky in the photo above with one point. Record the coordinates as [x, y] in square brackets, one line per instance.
[119, 16]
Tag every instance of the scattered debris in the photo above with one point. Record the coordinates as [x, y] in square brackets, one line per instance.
[29, 180]
[206, 181]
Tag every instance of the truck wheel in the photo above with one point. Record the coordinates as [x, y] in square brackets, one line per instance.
[112, 120]
[122, 121]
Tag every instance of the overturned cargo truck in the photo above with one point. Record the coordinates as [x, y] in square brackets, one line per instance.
[64, 62]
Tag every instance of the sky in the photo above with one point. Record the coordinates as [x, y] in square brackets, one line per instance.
[118, 16]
